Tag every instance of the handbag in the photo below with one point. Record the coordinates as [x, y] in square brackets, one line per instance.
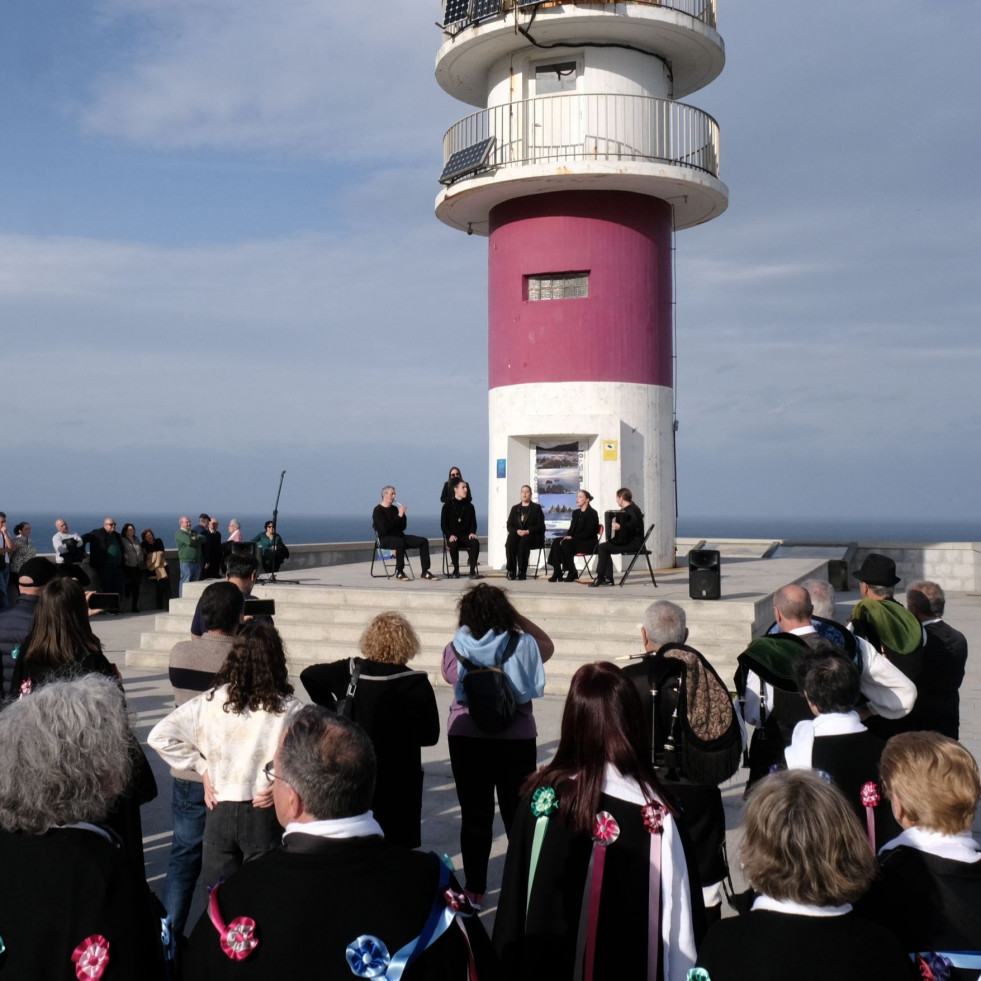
[345, 705]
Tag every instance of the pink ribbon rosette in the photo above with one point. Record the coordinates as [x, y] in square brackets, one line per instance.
[91, 958]
[653, 815]
[605, 833]
[870, 801]
[238, 939]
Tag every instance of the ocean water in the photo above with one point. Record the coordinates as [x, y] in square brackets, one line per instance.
[304, 528]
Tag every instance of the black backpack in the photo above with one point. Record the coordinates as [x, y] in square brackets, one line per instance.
[490, 697]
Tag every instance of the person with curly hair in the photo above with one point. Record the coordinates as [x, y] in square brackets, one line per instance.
[492, 634]
[71, 891]
[397, 708]
[227, 735]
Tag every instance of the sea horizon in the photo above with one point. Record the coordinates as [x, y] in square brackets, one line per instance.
[316, 528]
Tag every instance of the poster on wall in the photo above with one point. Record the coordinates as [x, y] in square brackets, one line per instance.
[558, 474]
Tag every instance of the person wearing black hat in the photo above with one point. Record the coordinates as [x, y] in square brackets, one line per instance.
[16, 622]
[888, 626]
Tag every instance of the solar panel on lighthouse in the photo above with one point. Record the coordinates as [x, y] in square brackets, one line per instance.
[455, 10]
[484, 8]
[466, 160]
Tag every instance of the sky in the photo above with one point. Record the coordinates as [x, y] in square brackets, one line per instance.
[219, 260]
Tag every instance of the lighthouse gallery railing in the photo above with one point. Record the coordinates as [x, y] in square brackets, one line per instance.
[580, 127]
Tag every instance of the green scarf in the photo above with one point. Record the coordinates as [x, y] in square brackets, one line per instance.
[890, 622]
[774, 659]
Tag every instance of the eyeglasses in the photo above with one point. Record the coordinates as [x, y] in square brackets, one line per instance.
[270, 774]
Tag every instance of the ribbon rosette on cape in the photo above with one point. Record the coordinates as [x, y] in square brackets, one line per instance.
[605, 833]
[238, 939]
[653, 815]
[544, 803]
[91, 958]
[368, 957]
[870, 801]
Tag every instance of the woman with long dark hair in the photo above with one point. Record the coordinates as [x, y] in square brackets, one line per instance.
[155, 560]
[447, 492]
[492, 634]
[596, 871]
[134, 564]
[226, 735]
[61, 643]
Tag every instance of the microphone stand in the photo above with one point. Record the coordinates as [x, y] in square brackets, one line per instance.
[275, 519]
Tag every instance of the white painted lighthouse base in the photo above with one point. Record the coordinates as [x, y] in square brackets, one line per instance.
[635, 419]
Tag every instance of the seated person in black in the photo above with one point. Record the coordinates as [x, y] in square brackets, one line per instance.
[459, 524]
[388, 520]
[628, 535]
[581, 538]
[526, 530]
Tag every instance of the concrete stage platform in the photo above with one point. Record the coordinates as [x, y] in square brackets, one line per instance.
[322, 617]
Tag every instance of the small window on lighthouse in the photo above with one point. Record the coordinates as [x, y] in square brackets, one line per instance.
[555, 78]
[557, 286]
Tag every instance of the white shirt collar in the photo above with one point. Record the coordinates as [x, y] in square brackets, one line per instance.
[803, 631]
[837, 724]
[356, 826]
[799, 909]
[959, 848]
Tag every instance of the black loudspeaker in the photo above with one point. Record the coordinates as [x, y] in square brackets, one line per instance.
[704, 573]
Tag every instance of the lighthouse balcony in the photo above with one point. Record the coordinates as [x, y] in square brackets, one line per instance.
[478, 34]
[658, 147]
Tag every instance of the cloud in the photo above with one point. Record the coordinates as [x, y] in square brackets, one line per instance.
[298, 77]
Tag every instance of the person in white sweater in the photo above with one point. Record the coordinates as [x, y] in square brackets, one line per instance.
[228, 735]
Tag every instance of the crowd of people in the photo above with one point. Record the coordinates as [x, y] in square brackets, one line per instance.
[304, 822]
[119, 563]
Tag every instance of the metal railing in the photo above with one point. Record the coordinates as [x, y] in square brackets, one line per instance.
[703, 10]
[573, 127]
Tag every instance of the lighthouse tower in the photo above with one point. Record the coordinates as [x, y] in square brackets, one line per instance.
[578, 166]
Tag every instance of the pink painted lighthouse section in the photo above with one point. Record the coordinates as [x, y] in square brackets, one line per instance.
[621, 331]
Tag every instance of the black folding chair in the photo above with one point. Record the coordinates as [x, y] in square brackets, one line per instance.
[386, 555]
[646, 552]
[542, 544]
[587, 557]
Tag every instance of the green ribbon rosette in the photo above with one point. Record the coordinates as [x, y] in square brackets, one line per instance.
[544, 803]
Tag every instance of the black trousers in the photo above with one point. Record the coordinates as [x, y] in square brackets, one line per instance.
[481, 766]
[398, 544]
[604, 562]
[469, 545]
[563, 554]
[517, 548]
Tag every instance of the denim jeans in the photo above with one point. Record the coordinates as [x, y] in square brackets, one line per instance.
[4, 584]
[190, 572]
[188, 814]
[234, 833]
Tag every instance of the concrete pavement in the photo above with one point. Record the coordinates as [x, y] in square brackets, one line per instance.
[149, 696]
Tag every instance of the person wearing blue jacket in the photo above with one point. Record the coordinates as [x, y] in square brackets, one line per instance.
[484, 762]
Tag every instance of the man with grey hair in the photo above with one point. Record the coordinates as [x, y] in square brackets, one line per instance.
[336, 896]
[389, 521]
[944, 660]
[695, 741]
[66, 760]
